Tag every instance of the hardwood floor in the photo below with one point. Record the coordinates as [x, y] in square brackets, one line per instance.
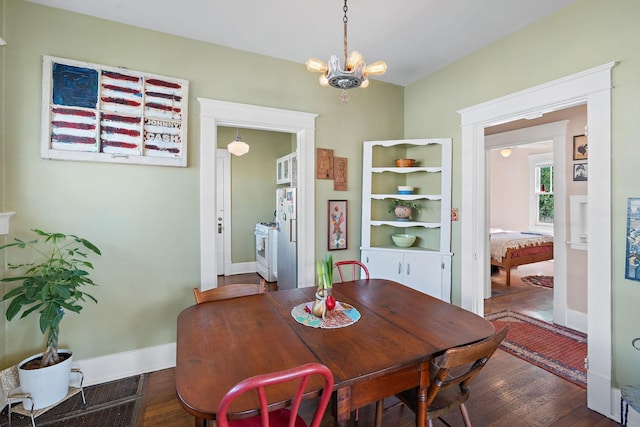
[508, 392]
[533, 301]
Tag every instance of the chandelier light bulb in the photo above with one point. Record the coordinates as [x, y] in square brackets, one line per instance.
[376, 69]
[364, 84]
[355, 59]
[315, 65]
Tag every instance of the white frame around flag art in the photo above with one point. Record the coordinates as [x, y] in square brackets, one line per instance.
[98, 113]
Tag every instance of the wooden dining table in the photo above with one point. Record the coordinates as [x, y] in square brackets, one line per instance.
[387, 350]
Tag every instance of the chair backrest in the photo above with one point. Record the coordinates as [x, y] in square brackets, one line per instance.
[473, 357]
[348, 270]
[234, 290]
[261, 383]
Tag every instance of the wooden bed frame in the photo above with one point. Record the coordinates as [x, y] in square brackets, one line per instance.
[522, 256]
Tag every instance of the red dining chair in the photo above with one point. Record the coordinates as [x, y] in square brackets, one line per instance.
[350, 270]
[277, 416]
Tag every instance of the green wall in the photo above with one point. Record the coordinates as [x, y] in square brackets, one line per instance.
[145, 219]
[586, 34]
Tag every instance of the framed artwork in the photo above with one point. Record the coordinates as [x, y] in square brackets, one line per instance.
[340, 173]
[580, 171]
[632, 256]
[580, 147]
[97, 113]
[324, 163]
[337, 225]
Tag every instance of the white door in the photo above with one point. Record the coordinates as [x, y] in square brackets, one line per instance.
[223, 222]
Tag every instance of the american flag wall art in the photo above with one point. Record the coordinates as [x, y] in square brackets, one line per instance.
[99, 113]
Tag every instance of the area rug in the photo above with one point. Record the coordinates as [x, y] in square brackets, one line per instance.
[111, 404]
[543, 281]
[554, 348]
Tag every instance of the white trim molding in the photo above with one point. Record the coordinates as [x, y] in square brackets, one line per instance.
[592, 87]
[215, 113]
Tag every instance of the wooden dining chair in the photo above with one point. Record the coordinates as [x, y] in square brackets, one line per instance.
[278, 416]
[451, 374]
[349, 270]
[234, 290]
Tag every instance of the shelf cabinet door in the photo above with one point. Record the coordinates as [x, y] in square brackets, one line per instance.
[384, 264]
[423, 272]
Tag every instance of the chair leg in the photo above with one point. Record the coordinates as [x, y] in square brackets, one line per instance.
[465, 415]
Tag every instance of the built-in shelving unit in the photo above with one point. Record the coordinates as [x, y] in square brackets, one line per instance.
[425, 266]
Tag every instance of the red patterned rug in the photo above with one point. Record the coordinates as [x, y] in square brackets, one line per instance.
[543, 281]
[554, 348]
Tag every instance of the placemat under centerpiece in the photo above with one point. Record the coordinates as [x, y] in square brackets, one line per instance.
[342, 315]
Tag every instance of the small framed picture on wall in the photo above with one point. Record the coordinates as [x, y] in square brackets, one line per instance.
[337, 225]
[580, 147]
[580, 171]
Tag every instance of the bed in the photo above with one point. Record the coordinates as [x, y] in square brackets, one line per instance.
[510, 249]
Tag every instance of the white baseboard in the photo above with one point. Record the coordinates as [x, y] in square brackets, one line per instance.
[243, 267]
[577, 321]
[121, 365]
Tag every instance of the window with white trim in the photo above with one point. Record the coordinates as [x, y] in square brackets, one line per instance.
[541, 204]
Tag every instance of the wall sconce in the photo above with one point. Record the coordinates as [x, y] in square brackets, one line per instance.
[2, 42]
[505, 152]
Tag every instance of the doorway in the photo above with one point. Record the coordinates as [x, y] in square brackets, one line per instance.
[214, 113]
[592, 87]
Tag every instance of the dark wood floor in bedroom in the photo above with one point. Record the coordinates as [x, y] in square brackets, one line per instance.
[509, 392]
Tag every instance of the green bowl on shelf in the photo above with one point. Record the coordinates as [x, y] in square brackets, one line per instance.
[403, 240]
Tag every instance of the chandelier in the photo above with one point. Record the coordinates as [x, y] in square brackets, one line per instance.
[355, 74]
[238, 147]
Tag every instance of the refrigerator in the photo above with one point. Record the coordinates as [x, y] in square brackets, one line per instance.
[286, 227]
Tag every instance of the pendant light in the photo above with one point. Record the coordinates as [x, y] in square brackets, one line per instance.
[238, 147]
[356, 72]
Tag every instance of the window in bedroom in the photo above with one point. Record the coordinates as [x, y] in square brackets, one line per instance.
[541, 167]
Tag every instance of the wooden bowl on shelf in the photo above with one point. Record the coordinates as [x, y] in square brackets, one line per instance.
[405, 163]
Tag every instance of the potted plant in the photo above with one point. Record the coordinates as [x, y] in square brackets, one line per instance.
[49, 287]
[402, 209]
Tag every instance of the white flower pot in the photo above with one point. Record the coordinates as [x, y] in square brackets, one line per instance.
[47, 386]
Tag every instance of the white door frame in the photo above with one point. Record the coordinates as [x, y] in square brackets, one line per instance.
[555, 132]
[215, 113]
[223, 200]
[592, 87]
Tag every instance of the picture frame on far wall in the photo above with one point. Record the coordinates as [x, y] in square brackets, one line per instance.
[580, 147]
[632, 256]
[337, 225]
[580, 171]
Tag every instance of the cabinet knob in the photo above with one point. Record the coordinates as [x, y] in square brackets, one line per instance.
[408, 269]
[399, 268]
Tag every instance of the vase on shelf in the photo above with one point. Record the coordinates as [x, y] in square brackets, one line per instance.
[402, 213]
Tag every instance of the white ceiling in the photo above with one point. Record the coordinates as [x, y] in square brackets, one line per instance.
[414, 37]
